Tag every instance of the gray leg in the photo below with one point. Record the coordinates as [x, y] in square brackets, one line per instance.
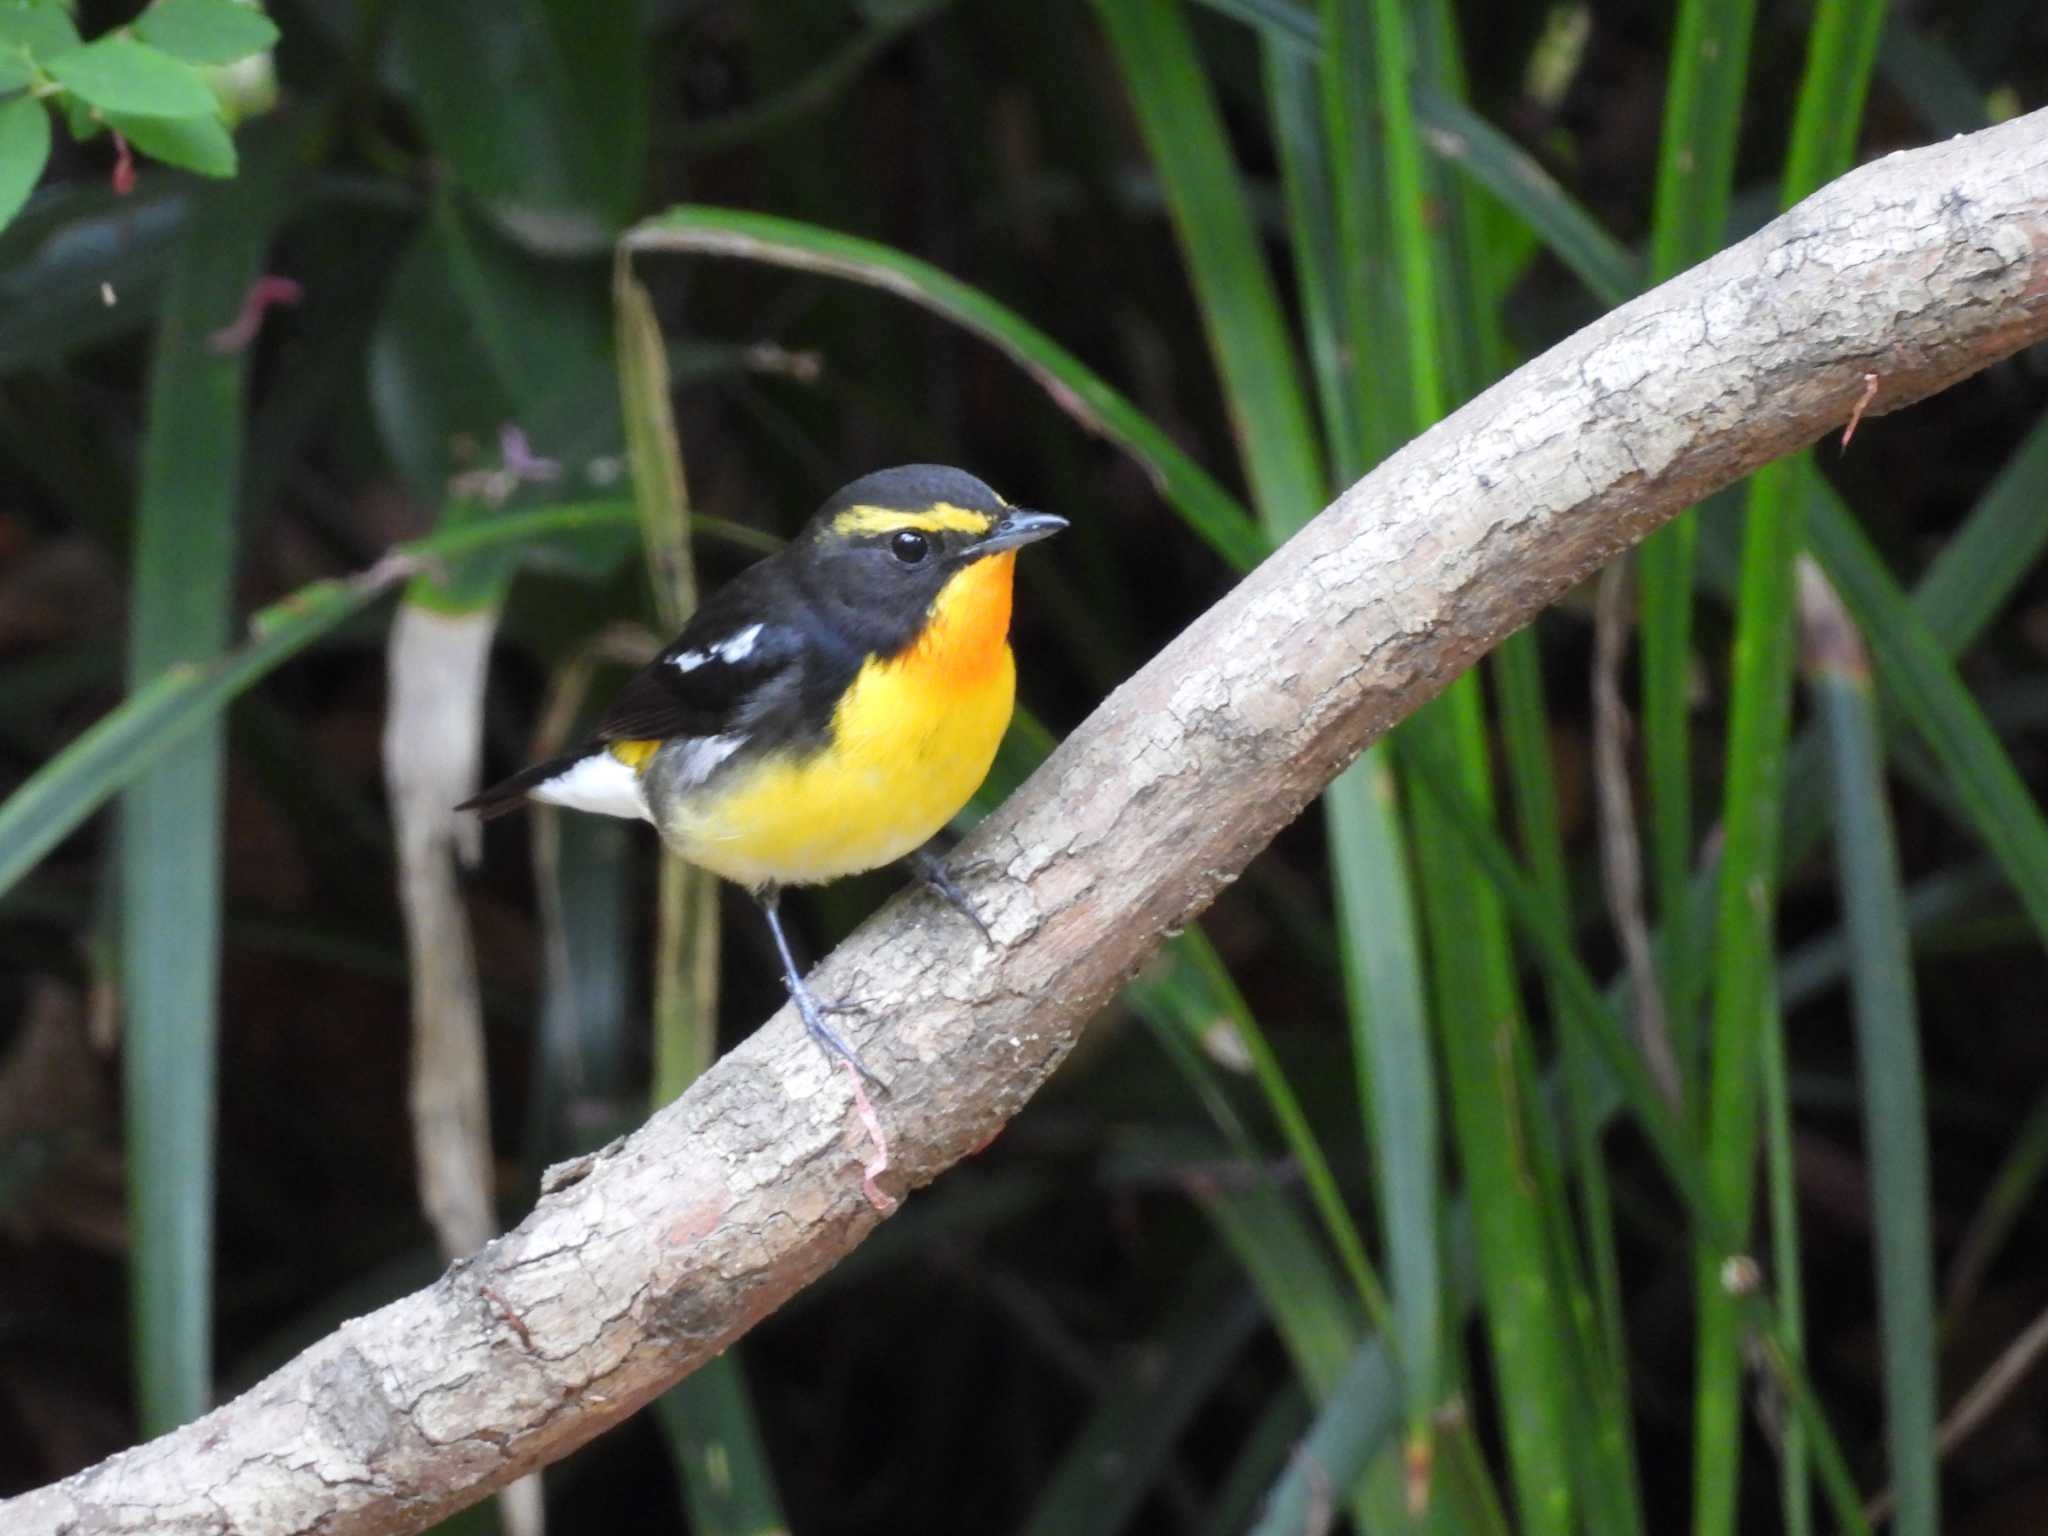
[807, 1005]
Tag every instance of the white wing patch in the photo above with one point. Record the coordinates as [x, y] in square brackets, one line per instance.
[733, 648]
[599, 783]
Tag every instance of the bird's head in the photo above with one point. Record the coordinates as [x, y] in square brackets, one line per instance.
[883, 551]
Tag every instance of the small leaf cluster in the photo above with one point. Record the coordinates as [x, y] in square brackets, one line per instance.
[150, 81]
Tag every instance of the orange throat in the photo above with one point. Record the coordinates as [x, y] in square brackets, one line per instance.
[968, 634]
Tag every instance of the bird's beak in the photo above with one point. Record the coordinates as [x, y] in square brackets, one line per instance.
[1016, 528]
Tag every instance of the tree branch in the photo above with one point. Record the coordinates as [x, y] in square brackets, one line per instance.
[660, 1252]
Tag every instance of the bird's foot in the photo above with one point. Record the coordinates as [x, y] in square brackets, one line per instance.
[931, 869]
[813, 1011]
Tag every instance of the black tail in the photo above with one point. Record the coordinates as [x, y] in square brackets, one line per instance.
[510, 794]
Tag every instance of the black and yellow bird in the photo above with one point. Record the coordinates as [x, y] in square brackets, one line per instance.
[829, 709]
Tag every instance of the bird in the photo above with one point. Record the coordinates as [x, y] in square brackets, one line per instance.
[827, 711]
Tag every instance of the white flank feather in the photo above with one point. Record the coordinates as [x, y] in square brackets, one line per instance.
[599, 783]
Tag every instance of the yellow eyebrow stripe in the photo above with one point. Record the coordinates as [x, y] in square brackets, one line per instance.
[942, 517]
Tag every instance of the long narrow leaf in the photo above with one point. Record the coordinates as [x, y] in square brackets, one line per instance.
[1695, 183]
[1115, 1460]
[1208, 509]
[166, 709]
[1744, 955]
[170, 845]
[1841, 53]
[1888, 1053]
[1317, 105]
[1239, 305]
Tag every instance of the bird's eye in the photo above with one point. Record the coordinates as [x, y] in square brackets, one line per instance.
[909, 547]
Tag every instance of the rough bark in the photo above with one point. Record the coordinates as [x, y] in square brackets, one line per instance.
[1920, 270]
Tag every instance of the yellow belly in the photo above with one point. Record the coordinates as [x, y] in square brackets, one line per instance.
[908, 749]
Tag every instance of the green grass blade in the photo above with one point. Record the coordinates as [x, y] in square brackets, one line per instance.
[1259, 1455]
[711, 1427]
[1248, 338]
[1499, 1137]
[1998, 544]
[1208, 509]
[1294, 101]
[1695, 183]
[1358, 1421]
[1973, 577]
[1256, 1218]
[1710, 49]
[1437, 319]
[164, 711]
[1116, 1458]
[1316, 105]
[1593, 1019]
[1918, 676]
[1525, 735]
[1293, 24]
[1745, 949]
[1192, 994]
[1841, 53]
[1234, 289]
[1888, 1054]
[1307, 1305]
[1373, 383]
[1380, 947]
[1461, 137]
[170, 844]
[1452, 131]
[1795, 1483]
[1414, 259]
[2014, 1190]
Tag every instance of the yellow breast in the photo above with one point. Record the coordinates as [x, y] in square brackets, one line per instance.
[912, 739]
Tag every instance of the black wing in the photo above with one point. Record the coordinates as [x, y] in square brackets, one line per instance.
[730, 660]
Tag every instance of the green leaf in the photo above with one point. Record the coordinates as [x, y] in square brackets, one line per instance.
[206, 31]
[538, 106]
[169, 854]
[1460, 136]
[201, 144]
[715, 1439]
[1888, 1053]
[24, 149]
[118, 74]
[1178, 114]
[38, 29]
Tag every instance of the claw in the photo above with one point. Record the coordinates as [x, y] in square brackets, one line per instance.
[932, 870]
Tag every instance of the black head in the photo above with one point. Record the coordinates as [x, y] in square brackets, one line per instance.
[878, 553]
